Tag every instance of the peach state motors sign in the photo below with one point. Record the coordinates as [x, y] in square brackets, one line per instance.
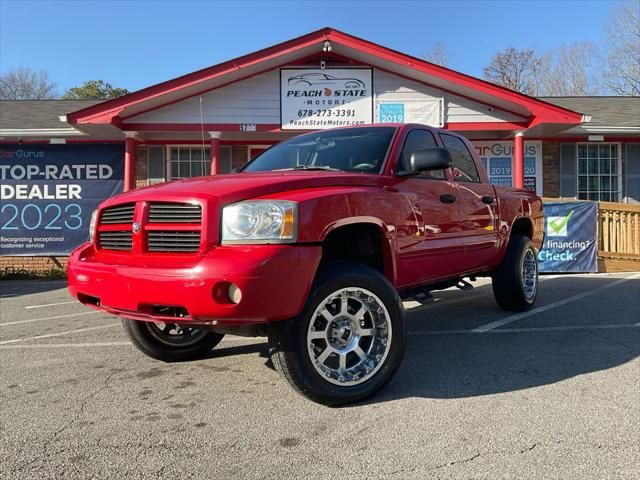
[313, 98]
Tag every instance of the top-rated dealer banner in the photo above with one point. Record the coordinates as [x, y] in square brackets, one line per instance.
[312, 99]
[47, 194]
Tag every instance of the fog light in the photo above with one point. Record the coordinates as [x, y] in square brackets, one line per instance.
[234, 292]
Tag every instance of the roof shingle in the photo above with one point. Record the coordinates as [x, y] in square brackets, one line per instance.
[604, 111]
[38, 113]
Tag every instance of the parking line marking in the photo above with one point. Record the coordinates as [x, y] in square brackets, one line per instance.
[50, 304]
[526, 329]
[544, 308]
[58, 334]
[19, 322]
[68, 345]
[226, 343]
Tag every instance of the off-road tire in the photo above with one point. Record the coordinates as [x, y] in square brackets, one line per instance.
[144, 340]
[288, 342]
[509, 282]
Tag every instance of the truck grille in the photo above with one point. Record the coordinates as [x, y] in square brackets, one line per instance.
[118, 214]
[173, 241]
[174, 213]
[115, 240]
[156, 233]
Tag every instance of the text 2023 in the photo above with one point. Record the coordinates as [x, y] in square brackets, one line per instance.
[50, 216]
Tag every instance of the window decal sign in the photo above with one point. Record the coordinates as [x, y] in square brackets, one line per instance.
[391, 113]
[497, 158]
[426, 112]
[313, 99]
[570, 237]
[48, 192]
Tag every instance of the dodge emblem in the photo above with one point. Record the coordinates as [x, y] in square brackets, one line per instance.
[136, 227]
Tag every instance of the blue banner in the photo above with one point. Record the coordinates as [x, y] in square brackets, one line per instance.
[48, 193]
[391, 113]
[570, 243]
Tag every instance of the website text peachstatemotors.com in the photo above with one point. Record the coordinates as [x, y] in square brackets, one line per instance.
[311, 122]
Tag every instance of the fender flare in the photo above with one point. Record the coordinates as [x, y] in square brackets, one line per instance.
[387, 234]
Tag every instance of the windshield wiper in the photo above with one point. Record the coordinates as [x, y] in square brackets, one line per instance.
[310, 167]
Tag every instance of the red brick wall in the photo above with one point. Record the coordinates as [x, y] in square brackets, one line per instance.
[551, 169]
[34, 265]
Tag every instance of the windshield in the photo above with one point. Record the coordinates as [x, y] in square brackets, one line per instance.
[361, 149]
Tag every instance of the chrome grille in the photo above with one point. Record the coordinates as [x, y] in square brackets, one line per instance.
[118, 214]
[115, 240]
[173, 240]
[174, 213]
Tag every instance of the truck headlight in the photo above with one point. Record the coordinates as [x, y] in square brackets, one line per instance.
[259, 221]
[92, 225]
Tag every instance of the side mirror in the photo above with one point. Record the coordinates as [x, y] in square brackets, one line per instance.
[428, 159]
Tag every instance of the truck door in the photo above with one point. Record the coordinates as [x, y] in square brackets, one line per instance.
[433, 250]
[477, 206]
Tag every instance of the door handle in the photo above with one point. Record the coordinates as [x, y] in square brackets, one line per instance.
[488, 199]
[446, 198]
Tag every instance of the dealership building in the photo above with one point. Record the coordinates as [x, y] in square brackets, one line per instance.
[216, 119]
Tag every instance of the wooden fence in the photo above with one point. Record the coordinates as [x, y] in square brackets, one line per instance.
[618, 237]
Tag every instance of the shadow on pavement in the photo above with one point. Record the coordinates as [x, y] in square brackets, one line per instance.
[468, 365]
[18, 288]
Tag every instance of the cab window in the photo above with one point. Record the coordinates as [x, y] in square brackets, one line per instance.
[461, 157]
[419, 140]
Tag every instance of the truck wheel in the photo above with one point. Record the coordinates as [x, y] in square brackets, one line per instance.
[170, 342]
[515, 281]
[347, 342]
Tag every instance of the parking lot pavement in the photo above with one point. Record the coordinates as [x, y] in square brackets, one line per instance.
[481, 394]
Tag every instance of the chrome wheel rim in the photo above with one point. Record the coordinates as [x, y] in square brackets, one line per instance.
[349, 336]
[175, 335]
[529, 274]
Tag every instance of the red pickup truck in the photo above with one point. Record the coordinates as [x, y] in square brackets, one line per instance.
[313, 243]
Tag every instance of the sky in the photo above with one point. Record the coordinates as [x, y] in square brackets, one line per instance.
[133, 44]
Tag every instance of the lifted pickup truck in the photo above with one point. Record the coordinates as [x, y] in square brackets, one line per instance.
[314, 243]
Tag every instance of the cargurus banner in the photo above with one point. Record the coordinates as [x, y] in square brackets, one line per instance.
[570, 237]
[47, 194]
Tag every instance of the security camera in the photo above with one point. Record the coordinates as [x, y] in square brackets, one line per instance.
[323, 64]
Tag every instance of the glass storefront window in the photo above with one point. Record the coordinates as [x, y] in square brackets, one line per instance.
[598, 177]
[189, 162]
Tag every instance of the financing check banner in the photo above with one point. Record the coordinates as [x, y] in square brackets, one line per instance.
[570, 237]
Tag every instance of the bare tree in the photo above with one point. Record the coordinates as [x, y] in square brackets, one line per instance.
[515, 69]
[622, 75]
[438, 54]
[569, 70]
[26, 84]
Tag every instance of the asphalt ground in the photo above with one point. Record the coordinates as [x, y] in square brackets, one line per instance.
[481, 394]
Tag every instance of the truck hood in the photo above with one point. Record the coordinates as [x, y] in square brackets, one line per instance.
[241, 186]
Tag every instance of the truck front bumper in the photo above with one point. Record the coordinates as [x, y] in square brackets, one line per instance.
[274, 281]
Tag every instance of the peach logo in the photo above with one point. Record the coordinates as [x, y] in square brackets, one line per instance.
[327, 92]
